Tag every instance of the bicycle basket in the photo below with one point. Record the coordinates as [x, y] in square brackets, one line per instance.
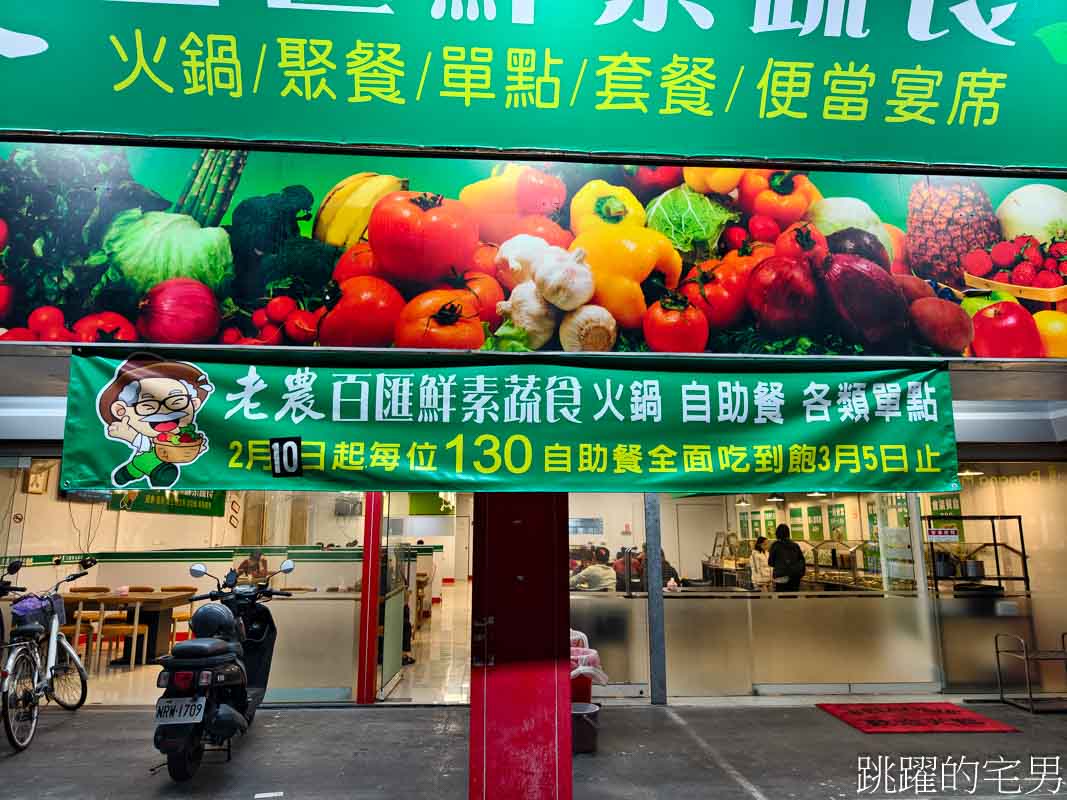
[38, 610]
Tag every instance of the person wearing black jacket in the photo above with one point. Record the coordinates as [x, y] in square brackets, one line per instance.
[786, 561]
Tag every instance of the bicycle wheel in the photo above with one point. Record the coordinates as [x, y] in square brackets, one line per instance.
[69, 682]
[20, 701]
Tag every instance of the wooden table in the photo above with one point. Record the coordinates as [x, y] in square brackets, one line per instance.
[155, 607]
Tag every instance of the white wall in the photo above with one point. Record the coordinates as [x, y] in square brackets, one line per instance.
[54, 525]
[688, 528]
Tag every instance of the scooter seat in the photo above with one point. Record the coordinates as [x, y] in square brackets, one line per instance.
[206, 648]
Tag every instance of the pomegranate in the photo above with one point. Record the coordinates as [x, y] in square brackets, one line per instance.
[783, 295]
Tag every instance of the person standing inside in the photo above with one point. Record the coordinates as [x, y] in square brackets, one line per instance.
[786, 561]
[762, 579]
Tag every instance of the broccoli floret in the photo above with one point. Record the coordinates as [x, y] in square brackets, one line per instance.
[301, 268]
[260, 228]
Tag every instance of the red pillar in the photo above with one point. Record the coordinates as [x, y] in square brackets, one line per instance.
[367, 667]
[520, 746]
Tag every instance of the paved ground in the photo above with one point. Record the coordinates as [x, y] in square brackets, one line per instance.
[679, 753]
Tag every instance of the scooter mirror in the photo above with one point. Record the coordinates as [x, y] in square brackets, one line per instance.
[287, 566]
[198, 570]
[14, 567]
[230, 580]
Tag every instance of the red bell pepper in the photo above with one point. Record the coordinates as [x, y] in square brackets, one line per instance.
[106, 326]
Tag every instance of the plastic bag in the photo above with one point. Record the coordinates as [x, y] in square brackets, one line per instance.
[584, 657]
[579, 639]
[595, 674]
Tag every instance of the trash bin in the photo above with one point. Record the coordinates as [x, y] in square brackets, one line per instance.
[584, 725]
[582, 689]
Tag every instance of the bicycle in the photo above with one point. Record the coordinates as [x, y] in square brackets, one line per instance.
[40, 662]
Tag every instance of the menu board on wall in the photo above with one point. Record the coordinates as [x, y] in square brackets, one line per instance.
[838, 522]
[742, 521]
[770, 522]
[815, 524]
[947, 504]
[796, 523]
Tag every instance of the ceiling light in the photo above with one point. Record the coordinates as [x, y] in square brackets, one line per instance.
[970, 473]
[816, 494]
[775, 499]
[743, 501]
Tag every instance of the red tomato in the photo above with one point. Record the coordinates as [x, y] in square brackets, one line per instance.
[484, 259]
[279, 308]
[260, 318]
[445, 319]
[542, 228]
[357, 261]
[365, 316]
[419, 238]
[3, 234]
[718, 291]
[487, 293]
[802, 240]
[674, 325]
[45, 318]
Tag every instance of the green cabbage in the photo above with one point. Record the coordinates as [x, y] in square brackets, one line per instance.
[144, 249]
[689, 219]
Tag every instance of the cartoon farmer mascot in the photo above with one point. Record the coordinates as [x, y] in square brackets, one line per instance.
[151, 406]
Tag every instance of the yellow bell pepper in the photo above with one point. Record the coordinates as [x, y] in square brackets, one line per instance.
[598, 203]
[713, 180]
[622, 258]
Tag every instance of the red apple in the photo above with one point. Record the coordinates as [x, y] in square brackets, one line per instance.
[1006, 330]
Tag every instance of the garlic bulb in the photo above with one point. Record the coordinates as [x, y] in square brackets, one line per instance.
[529, 311]
[589, 329]
[563, 278]
[517, 259]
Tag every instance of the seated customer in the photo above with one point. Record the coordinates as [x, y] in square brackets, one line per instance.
[598, 577]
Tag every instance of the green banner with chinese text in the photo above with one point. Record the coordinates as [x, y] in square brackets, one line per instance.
[906, 81]
[196, 503]
[153, 423]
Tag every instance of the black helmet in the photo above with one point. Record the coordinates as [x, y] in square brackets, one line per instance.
[213, 620]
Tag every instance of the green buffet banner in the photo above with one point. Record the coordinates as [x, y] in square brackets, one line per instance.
[904, 80]
[152, 423]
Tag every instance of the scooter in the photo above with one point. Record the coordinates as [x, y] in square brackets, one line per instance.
[214, 683]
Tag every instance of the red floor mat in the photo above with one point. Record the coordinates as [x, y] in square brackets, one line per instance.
[914, 718]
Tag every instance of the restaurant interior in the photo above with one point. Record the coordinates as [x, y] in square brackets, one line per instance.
[878, 610]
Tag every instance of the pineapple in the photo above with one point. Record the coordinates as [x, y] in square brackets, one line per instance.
[948, 218]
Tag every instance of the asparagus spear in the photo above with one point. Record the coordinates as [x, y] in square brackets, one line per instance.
[203, 201]
[231, 174]
[198, 165]
[188, 205]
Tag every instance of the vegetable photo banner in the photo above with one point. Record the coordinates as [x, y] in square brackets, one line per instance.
[906, 81]
[152, 423]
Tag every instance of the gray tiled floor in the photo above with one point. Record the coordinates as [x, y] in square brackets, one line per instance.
[748, 753]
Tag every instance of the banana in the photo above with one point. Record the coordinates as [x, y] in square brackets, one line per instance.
[335, 199]
[350, 223]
